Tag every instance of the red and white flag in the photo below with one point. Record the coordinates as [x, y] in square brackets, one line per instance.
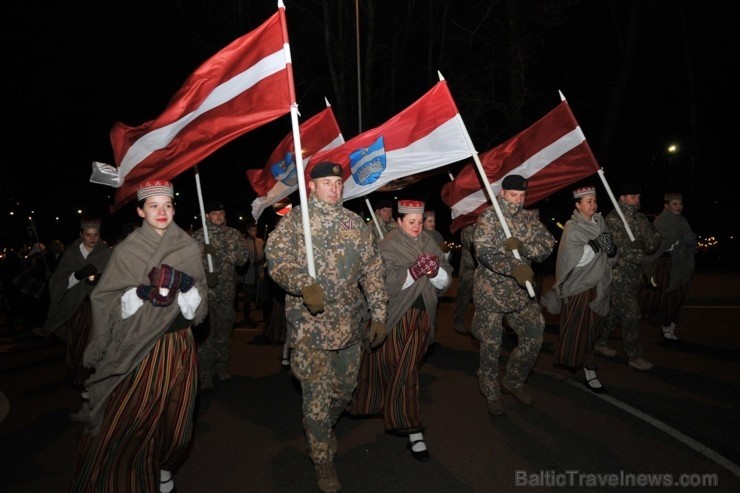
[245, 85]
[426, 135]
[552, 154]
[278, 178]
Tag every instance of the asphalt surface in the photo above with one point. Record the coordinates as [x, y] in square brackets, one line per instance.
[676, 425]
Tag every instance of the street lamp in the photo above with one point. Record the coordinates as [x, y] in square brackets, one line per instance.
[672, 149]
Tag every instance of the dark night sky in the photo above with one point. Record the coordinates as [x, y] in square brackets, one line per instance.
[71, 71]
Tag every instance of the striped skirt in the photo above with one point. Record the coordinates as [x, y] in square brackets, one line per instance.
[389, 376]
[147, 425]
[656, 305]
[580, 328]
[78, 332]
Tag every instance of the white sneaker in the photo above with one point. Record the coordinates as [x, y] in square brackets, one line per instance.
[641, 364]
[669, 332]
[605, 350]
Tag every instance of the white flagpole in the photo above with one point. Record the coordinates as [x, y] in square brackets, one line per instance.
[299, 168]
[203, 217]
[604, 182]
[375, 219]
[489, 190]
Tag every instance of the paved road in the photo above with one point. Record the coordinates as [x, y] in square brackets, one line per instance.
[676, 423]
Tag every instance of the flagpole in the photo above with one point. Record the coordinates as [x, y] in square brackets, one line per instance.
[203, 216]
[375, 220]
[489, 190]
[603, 180]
[298, 149]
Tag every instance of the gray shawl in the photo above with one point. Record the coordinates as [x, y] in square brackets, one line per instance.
[399, 252]
[64, 301]
[571, 280]
[118, 346]
[672, 227]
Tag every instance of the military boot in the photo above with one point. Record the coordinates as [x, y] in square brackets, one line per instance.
[326, 477]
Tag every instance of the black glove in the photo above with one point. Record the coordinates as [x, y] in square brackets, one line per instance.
[209, 249]
[151, 294]
[594, 245]
[605, 243]
[86, 271]
[211, 279]
[638, 244]
[313, 298]
[513, 243]
[444, 247]
[523, 273]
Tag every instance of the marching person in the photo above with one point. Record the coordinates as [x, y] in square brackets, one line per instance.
[143, 386]
[468, 264]
[75, 276]
[228, 250]
[254, 275]
[324, 314]
[624, 309]
[416, 274]
[384, 216]
[582, 287]
[500, 292]
[674, 266]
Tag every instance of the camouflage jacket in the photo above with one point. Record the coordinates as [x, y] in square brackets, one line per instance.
[231, 251]
[347, 263]
[630, 259]
[384, 226]
[494, 285]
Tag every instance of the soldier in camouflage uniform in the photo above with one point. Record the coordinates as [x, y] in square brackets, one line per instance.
[633, 257]
[465, 278]
[228, 250]
[500, 292]
[384, 216]
[324, 314]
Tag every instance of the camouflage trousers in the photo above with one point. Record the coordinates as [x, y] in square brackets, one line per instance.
[213, 352]
[464, 293]
[528, 324]
[328, 378]
[625, 313]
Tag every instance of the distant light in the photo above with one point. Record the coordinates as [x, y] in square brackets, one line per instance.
[672, 149]
[79, 211]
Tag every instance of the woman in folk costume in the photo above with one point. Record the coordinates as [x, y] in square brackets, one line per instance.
[74, 278]
[144, 360]
[583, 275]
[674, 266]
[417, 273]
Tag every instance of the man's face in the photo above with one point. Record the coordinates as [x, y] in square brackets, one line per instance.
[328, 188]
[386, 214]
[514, 196]
[252, 231]
[632, 199]
[217, 217]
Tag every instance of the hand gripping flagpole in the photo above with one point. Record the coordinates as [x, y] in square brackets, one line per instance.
[489, 190]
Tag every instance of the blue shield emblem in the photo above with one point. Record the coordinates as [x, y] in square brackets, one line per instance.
[285, 171]
[368, 163]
